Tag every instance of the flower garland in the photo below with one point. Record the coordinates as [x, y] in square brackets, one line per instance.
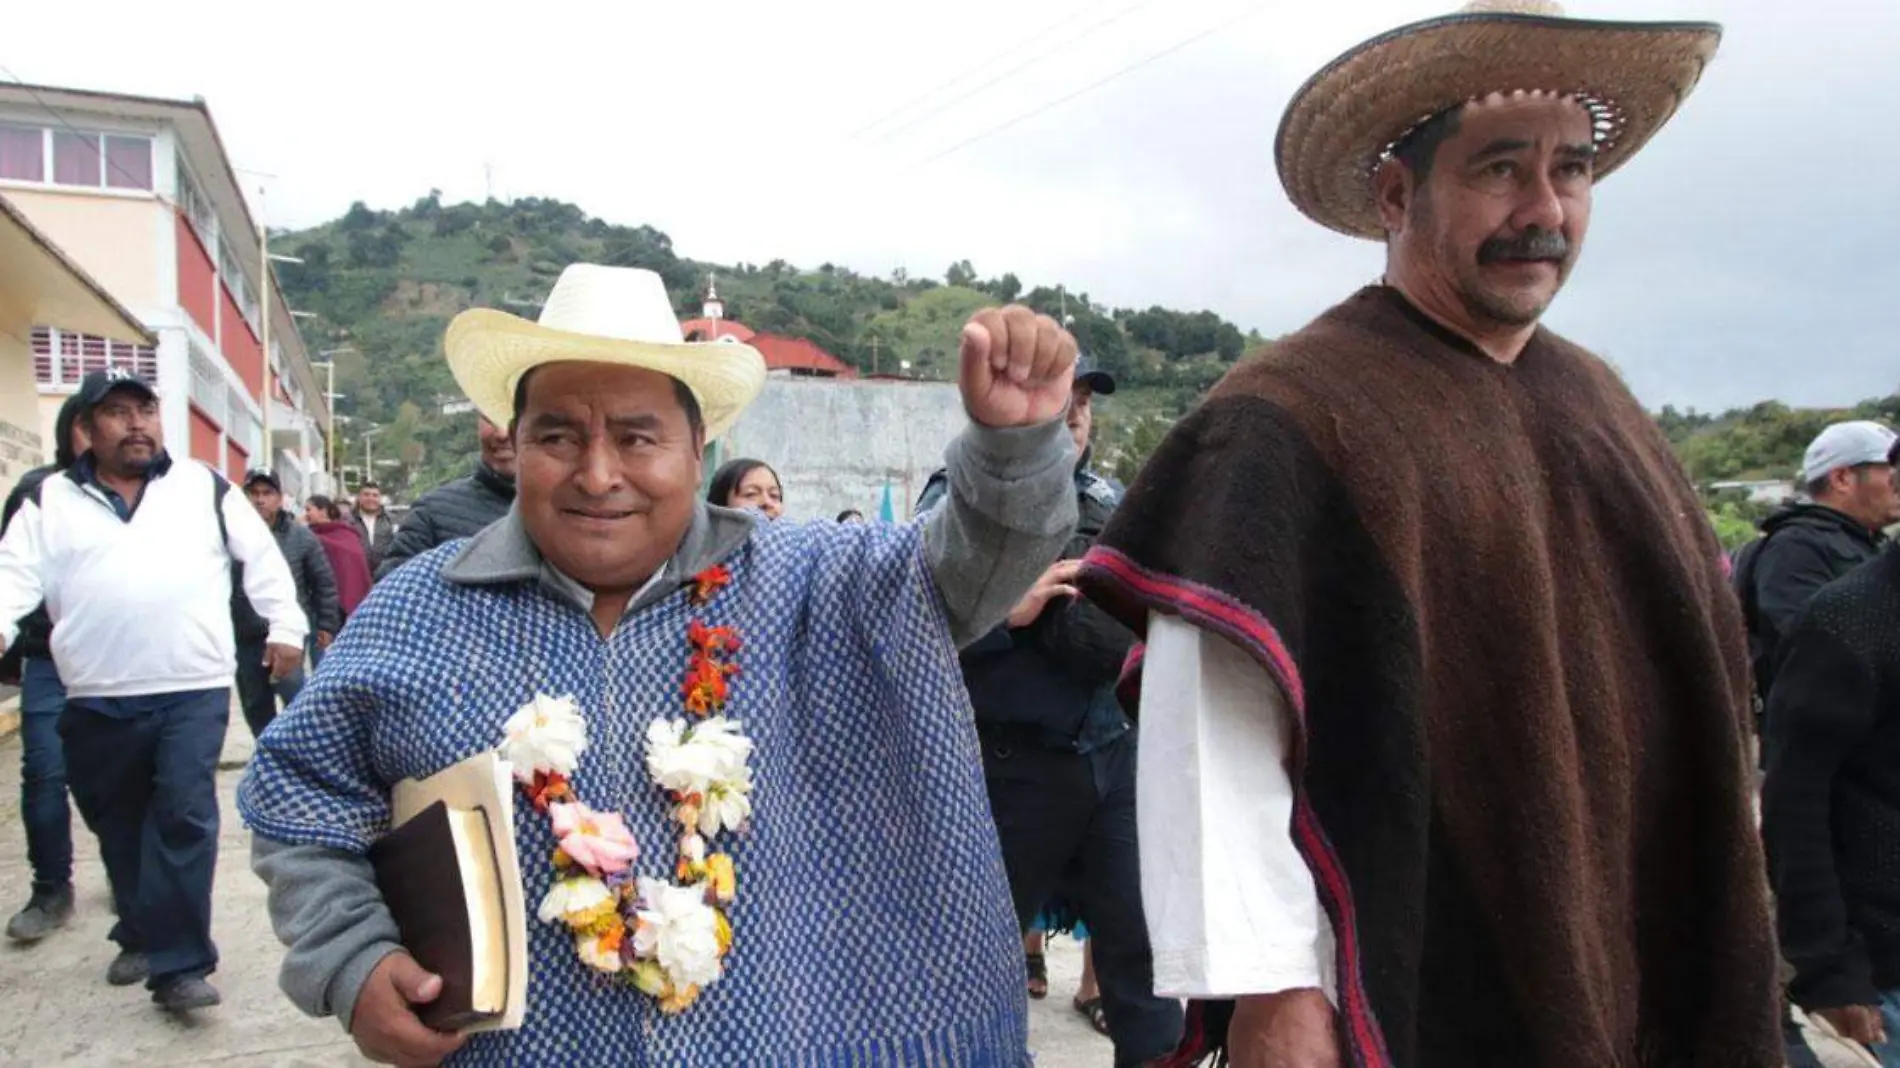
[669, 939]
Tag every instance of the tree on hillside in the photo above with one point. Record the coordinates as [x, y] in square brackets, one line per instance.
[1095, 333]
[960, 274]
[1181, 335]
[359, 217]
[1005, 289]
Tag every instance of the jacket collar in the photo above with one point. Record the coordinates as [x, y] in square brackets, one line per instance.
[493, 480]
[86, 469]
[503, 553]
[1810, 513]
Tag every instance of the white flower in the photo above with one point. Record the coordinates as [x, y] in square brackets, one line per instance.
[677, 928]
[594, 955]
[572, 900]
[693, 848]
[699, 758]
[727, 805]
[546, 735]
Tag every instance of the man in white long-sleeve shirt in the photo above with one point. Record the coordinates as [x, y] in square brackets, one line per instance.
[1444, 697]
[132, 554]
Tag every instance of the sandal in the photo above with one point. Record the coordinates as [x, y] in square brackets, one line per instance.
[1038, 975]
[1096, 1014]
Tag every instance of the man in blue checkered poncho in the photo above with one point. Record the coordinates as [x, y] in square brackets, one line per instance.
[870, 815]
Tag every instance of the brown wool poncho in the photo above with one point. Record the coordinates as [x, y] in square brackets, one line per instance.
[1502, 623]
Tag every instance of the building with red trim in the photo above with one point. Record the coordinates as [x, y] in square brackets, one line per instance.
[794, 356]
[800, 357]
[140, 193]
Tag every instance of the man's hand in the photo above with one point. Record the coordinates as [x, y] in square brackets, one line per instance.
[324, 638]
[282, 660]
[1056, 582]
[1016, 367]
[1291, 1029]
[1858, 1022]
[386, 1029]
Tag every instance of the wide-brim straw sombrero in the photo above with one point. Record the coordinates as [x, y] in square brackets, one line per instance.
[1343, 122]
[597, 314]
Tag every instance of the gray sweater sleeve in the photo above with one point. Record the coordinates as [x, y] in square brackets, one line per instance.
[326, 909]
[1009, 509]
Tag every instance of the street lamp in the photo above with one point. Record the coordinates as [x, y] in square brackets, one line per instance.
[369, 450]
[330, 395]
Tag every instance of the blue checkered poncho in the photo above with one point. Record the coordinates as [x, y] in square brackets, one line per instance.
[871, 816]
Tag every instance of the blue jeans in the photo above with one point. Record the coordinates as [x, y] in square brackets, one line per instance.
[258, 696]
[43, 806]
[144, 774]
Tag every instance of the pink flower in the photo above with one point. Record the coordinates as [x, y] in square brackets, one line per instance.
[597, 841]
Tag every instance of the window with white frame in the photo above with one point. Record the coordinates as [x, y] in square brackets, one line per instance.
[249, 434]
[232, 270]
[86, 159]
[208, 390]
[197, 208]
[63, 357]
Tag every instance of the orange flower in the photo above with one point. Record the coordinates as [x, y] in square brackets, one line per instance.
[712, 642]
[547, 788]
[706, 685]
[709, 582]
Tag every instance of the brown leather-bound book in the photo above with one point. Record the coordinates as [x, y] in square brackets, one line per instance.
[441, 878]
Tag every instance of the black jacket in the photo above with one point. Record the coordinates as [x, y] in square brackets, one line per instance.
[36, 627]
[1054, 679]
[1831, 802]
[453, 510]
[378, 547]
[309, 567]
[1803, 548]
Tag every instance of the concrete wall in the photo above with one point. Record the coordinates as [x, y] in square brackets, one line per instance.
[836, 444]
[20, 442]
[115, 239]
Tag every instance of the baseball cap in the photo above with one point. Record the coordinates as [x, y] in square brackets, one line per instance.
[94, 387]
[258, 474]
[1100, 381]
[1848, 445]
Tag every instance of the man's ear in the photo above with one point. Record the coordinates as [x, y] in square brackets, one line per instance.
[1393, 190]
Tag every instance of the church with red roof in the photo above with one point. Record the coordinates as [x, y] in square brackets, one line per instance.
[794, 356]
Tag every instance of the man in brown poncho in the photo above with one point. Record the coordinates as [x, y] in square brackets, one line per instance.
[1444, 694]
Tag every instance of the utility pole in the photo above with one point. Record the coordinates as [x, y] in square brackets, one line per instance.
[369, 451]
[330, 396]
[873, 355]
[263, 273]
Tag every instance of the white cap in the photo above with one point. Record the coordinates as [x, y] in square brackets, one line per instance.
[1848, 445]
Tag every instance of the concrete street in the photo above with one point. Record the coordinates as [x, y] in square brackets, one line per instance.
[56, 1009]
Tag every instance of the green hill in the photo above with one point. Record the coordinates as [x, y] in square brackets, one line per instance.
[387, 282]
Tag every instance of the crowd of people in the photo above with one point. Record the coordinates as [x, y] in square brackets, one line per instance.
[1401, 712]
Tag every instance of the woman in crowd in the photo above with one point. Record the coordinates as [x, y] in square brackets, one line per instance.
[750, 484]
[344, 548]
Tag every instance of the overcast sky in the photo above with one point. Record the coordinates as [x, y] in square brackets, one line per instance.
[1747, 253]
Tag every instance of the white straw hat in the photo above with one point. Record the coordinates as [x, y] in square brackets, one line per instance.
[598, 314]
[1631, 76]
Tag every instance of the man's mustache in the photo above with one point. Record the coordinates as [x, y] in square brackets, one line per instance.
[1529, 245]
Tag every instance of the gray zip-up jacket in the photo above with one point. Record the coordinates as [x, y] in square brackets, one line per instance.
[1009, 509]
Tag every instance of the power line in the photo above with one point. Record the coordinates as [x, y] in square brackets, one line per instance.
[1094, 85]
[93, 139]
[1028, 42]
[1018, 68]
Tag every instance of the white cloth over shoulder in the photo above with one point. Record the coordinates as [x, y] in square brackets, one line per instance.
[1231, 904]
